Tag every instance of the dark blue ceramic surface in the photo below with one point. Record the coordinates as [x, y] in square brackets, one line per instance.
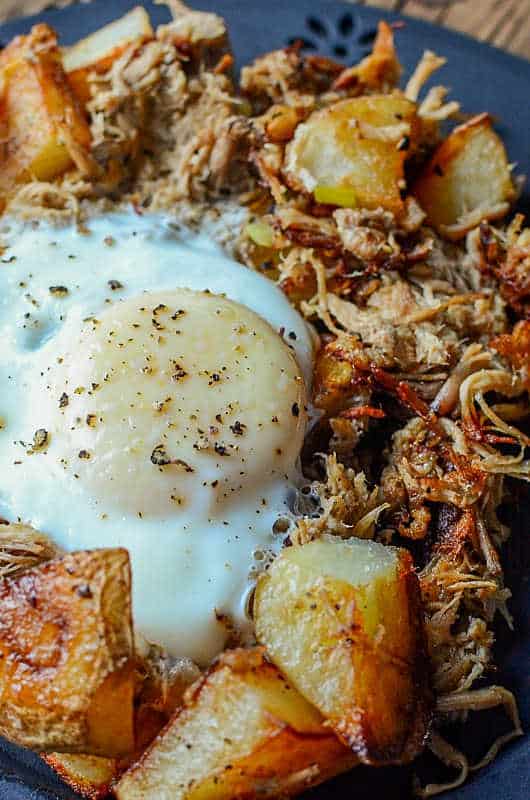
[482, 78]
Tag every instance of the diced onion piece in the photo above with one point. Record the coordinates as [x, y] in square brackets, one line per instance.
[261, 233]
[343, 196]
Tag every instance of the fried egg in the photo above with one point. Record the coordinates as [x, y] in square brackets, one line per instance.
[154, 398]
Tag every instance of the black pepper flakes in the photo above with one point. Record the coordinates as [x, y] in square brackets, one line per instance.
[179, 372]
[91, 420]
[63, 400]
[160, 458]
[238, 428]
[84, 590]
[160, 405]
[84, 454]
[114, 285]
[40, 439]
[58, 291]
[295, 410]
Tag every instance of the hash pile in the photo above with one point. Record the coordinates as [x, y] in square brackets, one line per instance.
[422, 375]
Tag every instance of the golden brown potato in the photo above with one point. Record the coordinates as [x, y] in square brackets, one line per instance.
[66, 655]
[43, 125]
[200, 35]
[360, 145]
[243, 732]
[89, 776]
[342, 620]
[96, 52]
[161, 683]
[332, 378]
[469, 171]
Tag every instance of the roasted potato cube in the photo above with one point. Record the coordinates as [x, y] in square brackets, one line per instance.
[332, 378]
[89, 776]
[96, 52]
[360, 145]
[342, 621]
[66, 655]
[243, 732]
[43, 125]
[161, 683]
[201, 35]
[469, 171]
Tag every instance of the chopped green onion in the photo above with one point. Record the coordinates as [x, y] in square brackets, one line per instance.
[336, 196]
[260, 233]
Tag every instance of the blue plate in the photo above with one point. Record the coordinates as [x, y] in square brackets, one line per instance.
[483, 79]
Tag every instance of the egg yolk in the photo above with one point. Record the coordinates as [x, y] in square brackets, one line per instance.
[176, 400]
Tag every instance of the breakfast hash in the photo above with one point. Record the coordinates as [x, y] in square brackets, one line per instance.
[265, 375]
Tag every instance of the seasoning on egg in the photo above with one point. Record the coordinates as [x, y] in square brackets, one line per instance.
[179, 373]
[160, 458]
[40, 439]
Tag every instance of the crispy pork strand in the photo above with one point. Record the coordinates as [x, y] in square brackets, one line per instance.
[485, 428]
[461, 704]
[503, 253]
[473, 359]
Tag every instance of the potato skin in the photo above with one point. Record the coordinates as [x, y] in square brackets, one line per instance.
[356, 651]
[89, 776]
[44, 129]
[67, 655]
[469, 170]
[243, 732]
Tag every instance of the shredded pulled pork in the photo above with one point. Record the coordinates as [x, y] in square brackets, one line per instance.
[346, 506]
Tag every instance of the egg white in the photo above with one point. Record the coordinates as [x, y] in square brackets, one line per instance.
[192, 565]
